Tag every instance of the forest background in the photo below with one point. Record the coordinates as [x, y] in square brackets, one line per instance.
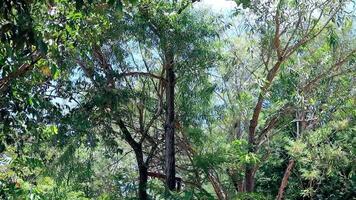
[177, 99]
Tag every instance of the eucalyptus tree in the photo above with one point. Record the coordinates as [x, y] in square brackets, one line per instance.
[253, 52]
[166, 32]
[282, 30]
[334, 52]
[125, 73]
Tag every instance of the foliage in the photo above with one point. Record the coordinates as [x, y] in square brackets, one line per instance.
[83, 99]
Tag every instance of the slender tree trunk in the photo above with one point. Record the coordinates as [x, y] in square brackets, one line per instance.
[284, 182]
[143, 177]
[240, 186]
[219, 191]
[236, 180]
[299, 128]
[169, 126]
[249, 178]
[238, 129]
[142, 167]
[249, 171]
[143, 173]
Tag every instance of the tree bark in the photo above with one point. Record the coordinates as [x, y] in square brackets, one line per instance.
[143, 175]
[219, 191]
[142, 167]
[236, 180]
[21, 71]
[249, 178]
[285, 180]
[169, 126]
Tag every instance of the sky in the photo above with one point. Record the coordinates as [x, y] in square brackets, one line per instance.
[219, 5]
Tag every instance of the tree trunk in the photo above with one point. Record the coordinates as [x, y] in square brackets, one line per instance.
[238, 128]
[249, 178]
[220, 193]
[249, 171]
[143, 173]
[169, 126]
[142, 167]
[285, 180]
[236, 180]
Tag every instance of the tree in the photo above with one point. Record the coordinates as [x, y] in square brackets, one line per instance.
[160, 99]
[287, 34]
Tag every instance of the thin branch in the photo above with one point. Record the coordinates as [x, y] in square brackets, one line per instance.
[127, 135]
[148, 74]
[334, 67]
[307, 37]
[5, 81]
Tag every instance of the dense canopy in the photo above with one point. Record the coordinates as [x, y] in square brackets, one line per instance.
[177, 99]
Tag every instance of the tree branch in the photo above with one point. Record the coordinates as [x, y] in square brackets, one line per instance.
[5, 81]
[334, 67]
[127, 136]
[148, 74]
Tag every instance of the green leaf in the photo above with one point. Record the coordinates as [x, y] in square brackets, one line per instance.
[111, 2]
[42, 47]
[79, 4]
[245, 3]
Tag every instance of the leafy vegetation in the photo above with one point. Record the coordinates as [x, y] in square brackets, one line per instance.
[155, 99]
